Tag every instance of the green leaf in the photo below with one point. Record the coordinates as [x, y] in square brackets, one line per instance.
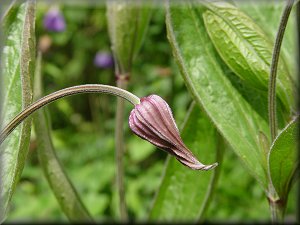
[267, 16]
[17, 67]
[127, 25]
[203, 73]
[283, 160]
[58, 180]
[246, 49]
[184, 194]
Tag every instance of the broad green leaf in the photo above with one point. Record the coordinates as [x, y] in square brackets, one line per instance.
[210, 86]
[283, 160]
[17, 66]
[127, 25]
[185, 194]
[246, 49]
[58, 180]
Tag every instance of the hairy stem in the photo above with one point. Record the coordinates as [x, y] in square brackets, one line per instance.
[276, 206]
[119, 140]
[87, 88]
[273, 70]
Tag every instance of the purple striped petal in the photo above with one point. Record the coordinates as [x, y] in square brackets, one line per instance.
[152, 120]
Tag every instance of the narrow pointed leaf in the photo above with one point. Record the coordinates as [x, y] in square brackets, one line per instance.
[58, 180]
[18, 58]
[127, 25]
[267, 15]
[283, 160]
[210, 86]
[246, 49]
[184, 194]
[61, 185]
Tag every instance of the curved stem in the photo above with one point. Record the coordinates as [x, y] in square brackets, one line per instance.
[87, 88]
[273, 71]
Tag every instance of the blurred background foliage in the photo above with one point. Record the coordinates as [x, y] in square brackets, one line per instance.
[83, 128]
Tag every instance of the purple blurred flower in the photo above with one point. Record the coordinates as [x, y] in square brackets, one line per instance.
[153, 121]
[103, 60]
[54, 20]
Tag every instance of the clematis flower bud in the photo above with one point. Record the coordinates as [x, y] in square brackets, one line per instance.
[153, 121]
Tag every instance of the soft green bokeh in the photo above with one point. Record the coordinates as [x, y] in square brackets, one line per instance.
[83, 128]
